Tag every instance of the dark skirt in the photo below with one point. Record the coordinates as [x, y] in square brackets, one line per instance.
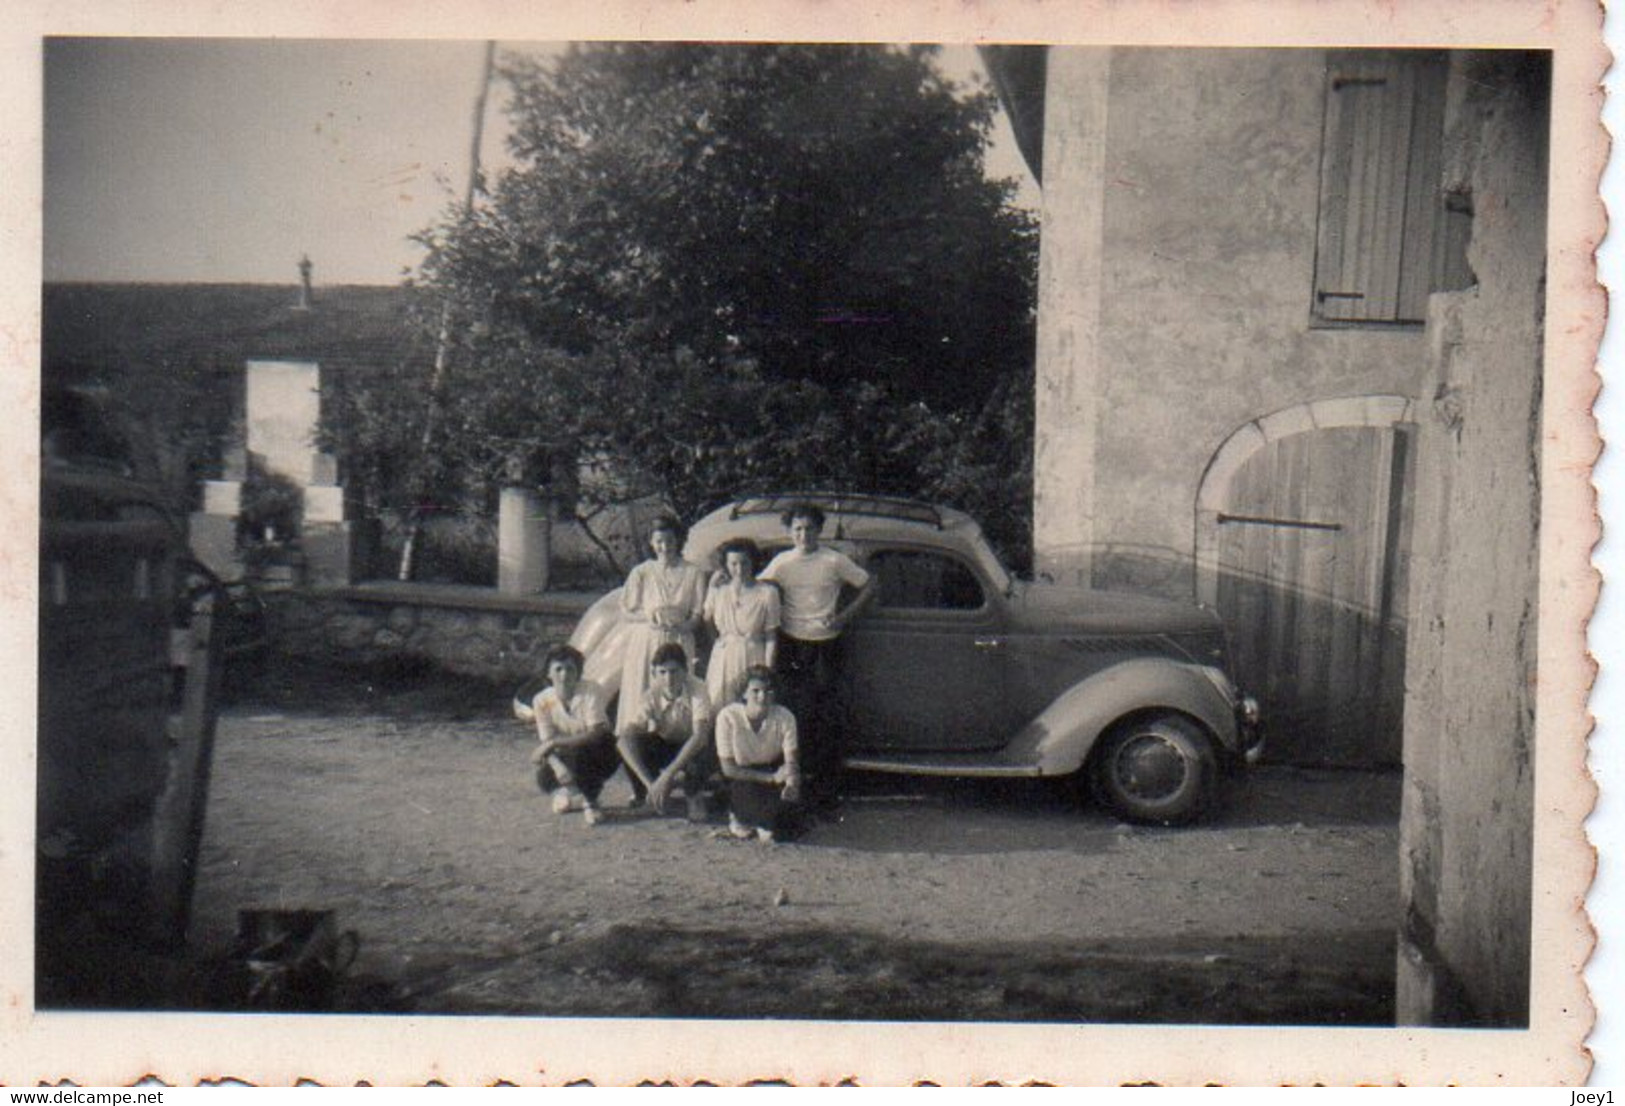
[658, 753]
[757, 805]
[591, 764]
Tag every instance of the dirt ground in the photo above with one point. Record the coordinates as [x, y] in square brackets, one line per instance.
[415, 818]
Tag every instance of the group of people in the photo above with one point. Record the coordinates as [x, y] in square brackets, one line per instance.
[776, 635]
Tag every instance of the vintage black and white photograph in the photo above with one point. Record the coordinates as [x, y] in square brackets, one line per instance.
[834, 532]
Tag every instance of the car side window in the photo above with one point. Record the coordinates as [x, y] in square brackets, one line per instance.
[920, 581]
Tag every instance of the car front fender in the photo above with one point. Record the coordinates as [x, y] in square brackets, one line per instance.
[1060, 739]
[601, 637]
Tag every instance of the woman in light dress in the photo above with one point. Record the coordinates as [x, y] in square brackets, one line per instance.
[746, 616]
[663, 601]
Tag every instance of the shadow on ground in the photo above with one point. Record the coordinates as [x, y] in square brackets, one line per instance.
[407, 687]
[816, 974]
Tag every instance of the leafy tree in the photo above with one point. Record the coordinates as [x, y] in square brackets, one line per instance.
[271, 505]
[723, 267]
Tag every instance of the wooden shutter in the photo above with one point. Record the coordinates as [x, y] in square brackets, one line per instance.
[1379, 185]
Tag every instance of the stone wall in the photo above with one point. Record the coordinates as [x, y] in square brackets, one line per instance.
[468, 630]
[1467, 824]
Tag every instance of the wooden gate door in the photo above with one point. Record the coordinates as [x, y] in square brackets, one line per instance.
[1312, 565]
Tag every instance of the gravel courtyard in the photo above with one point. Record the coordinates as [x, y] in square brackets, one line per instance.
[412, 814]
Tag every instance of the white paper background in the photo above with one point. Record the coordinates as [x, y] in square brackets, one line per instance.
[1607, 826]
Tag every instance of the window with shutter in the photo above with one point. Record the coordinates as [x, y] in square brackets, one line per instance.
[1380, 199]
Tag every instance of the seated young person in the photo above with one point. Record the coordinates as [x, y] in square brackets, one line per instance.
[576, 753]
[756, 742]
[667, 737]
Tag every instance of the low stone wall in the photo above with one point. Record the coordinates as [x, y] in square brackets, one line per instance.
[469, 630]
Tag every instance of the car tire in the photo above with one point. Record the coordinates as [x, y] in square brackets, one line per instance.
[1158, 769]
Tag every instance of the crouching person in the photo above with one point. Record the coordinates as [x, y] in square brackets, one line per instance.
[756, 742]
[667, 737]
[576, 754]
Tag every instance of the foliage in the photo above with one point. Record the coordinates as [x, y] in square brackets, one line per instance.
[272, 506]
[718, 268]
[453, 548]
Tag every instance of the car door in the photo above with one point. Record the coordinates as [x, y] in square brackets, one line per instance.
[925, 665]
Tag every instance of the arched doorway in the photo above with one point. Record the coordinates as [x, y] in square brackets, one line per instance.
[1303, 536]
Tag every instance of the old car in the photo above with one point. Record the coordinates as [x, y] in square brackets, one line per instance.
[960, 669]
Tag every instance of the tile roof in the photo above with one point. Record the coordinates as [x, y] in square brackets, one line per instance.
[90, 329]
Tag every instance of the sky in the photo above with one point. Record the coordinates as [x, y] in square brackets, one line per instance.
[170, 159]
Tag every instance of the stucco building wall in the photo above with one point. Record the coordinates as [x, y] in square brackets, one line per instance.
[1181, 193]
[283, 408]
[1467, 822]
[1175, 290]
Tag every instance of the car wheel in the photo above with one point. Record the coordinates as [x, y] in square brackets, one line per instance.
[1159, 769]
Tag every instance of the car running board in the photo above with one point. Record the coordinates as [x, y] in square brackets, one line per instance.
[941, 766]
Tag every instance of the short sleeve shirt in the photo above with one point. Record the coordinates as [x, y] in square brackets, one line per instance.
[557, 717]
[811, 583]
[680, 717]
[747, 745]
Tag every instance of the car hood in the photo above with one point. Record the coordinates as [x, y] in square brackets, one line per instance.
[1051, 607]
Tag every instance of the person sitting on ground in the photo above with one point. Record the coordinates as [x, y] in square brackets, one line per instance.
[756, 742]
[668, 738]
[576, 753]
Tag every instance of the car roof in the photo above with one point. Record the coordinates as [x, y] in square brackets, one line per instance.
[849, 518]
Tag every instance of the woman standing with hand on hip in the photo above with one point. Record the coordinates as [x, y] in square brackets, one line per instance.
[663, 601]
[746, 616]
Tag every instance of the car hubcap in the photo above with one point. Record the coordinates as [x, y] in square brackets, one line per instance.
[1150, 767]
